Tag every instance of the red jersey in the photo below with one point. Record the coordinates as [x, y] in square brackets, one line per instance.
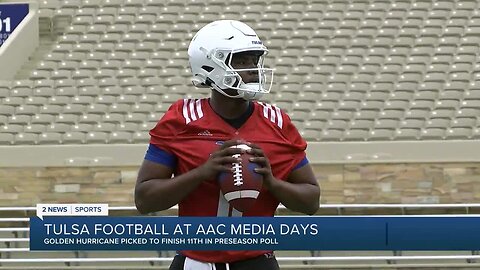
[190, 130]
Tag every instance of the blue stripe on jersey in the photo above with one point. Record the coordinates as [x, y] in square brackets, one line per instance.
[301, 164]
[158, 155]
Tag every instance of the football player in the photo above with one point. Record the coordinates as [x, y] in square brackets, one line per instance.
[193, 140]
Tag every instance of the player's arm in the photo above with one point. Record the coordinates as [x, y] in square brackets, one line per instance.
[156, 190]
[303, 188]
[300, 192]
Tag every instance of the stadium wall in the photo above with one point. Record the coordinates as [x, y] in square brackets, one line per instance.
[451, 151]
[340, 183]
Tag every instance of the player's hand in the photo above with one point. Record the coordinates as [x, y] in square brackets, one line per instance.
[220, 160]
[261, 159]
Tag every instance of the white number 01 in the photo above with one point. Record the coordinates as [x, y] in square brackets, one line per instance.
[5, 21]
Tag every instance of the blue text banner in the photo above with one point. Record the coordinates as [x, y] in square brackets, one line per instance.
[255, 233]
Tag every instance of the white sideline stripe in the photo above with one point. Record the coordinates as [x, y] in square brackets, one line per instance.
[14, 229]
[241, 194]
[373, 258]
[18, 208]
[14, 249]
[14, 219]
[324, 206]
[285, 259]
[337, 216]
[140, 259]
[14, 239]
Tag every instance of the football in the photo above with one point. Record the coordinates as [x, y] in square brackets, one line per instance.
[241, 186]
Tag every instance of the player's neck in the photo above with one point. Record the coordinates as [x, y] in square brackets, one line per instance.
[229, 108]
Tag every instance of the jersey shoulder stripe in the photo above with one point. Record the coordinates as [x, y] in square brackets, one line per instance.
[192, 110]
[272, 113]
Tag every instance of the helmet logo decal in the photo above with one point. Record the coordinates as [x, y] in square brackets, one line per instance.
[256, 42]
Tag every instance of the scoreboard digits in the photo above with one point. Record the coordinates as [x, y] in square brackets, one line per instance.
[5, 28]
[11, 15]
[5, 24]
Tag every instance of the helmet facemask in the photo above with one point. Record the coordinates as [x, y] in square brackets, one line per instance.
[253, 88]
[225, 76]
[210, 56]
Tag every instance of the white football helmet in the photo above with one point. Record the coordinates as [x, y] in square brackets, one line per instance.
[210, 53]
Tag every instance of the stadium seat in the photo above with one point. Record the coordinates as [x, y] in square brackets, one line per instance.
[388, 113]
[447, 104]
[443, 113]
[96, 137]
[50, 138]
[422, 104]
[7, 138]
[19, 119]
[120, 137]
[26, 138]
[140, 137]
[73, 138]
[97, 109]
[472, 94]
[26, 109]
[113, 118]
[35, 128]
[331, 135]
[129, 127]
[407, 133]
[459, 133]
[42, 119]
[12, 128]
[465, 122]
[105, 99]
[134, 90]
[362, 124]
[467, 112]
[119, 108]
[417, 114]
[386, 124]
[65, 118]
[57, 128]
[356, 135]
[82, 127]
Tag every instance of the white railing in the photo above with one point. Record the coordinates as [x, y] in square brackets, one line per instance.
[339, 207]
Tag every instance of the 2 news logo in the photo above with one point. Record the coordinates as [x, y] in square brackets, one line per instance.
[75, 209]
[67, 209]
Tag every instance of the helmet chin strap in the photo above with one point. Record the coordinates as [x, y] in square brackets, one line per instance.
[247, 95]
[253, 94]
[221, 91]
